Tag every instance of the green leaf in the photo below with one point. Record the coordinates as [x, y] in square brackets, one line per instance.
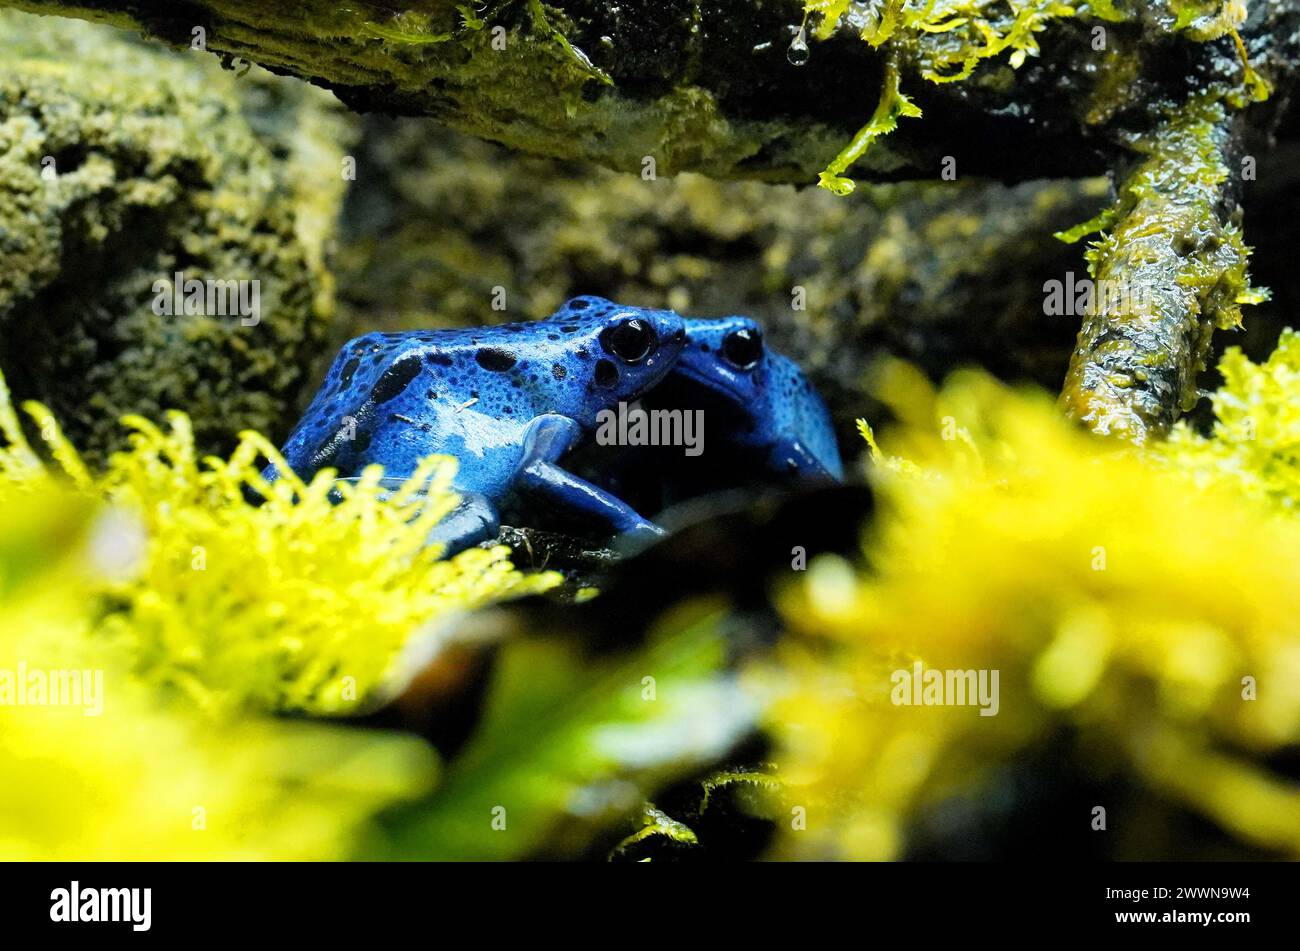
[570, 745]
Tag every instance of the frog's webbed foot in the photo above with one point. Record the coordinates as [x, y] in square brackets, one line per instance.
[547, 439]
[473, 520]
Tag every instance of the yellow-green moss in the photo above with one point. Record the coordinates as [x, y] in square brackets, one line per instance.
[1145, 611]
[132, 769]
[944, 41]
[1255, 446]
[294, 604]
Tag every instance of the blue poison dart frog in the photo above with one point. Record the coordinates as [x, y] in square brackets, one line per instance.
[762, 421]
[507, 401]
[772, 412]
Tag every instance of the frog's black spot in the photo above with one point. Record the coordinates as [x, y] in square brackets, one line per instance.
[425, 427]
[517, 383]
[431, 395]
[704, 347]
[498, 361]
[441, 359]
[507, 410]
[568, 329]
[582, 353]
[552, 336]
[559, 372]
[606, 373]
[349, 368]
[473, 394]
[395, 379]
[579, 304]
[513, 328]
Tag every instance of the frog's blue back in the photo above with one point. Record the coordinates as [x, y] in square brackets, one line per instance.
[358, 369]
[396, 398]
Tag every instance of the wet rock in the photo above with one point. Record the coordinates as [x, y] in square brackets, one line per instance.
[123, 163]
[439, 228]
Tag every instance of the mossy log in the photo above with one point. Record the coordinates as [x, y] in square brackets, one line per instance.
[708, 87]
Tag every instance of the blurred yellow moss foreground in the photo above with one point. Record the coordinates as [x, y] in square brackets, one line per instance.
[1145, 604]
[182, 614]
[1141, 610]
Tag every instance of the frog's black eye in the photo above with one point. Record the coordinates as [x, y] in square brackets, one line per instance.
[743, 348]
[629, 340]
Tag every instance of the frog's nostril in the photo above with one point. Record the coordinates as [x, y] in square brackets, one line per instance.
[606, 373]
[680, 335]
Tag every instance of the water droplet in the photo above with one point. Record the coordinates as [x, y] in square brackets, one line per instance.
[798, 53]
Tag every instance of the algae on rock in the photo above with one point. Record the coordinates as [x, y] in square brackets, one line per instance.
[121, 164]
[943, 274]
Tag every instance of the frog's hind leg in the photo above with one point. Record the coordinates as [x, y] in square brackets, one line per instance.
[473, 520]
[548, 438]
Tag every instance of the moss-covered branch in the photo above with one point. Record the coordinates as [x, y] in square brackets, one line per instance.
[1171, 269]
[709, 87]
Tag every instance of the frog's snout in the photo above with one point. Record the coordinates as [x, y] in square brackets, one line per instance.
[671, 328]
[671, 346]
[715, 376]
[722, 354]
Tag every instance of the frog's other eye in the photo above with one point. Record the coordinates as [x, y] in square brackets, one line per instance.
[743, 348]
[631, 340]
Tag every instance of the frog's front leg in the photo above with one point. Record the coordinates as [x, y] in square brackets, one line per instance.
[793, 458]
[548, 438]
